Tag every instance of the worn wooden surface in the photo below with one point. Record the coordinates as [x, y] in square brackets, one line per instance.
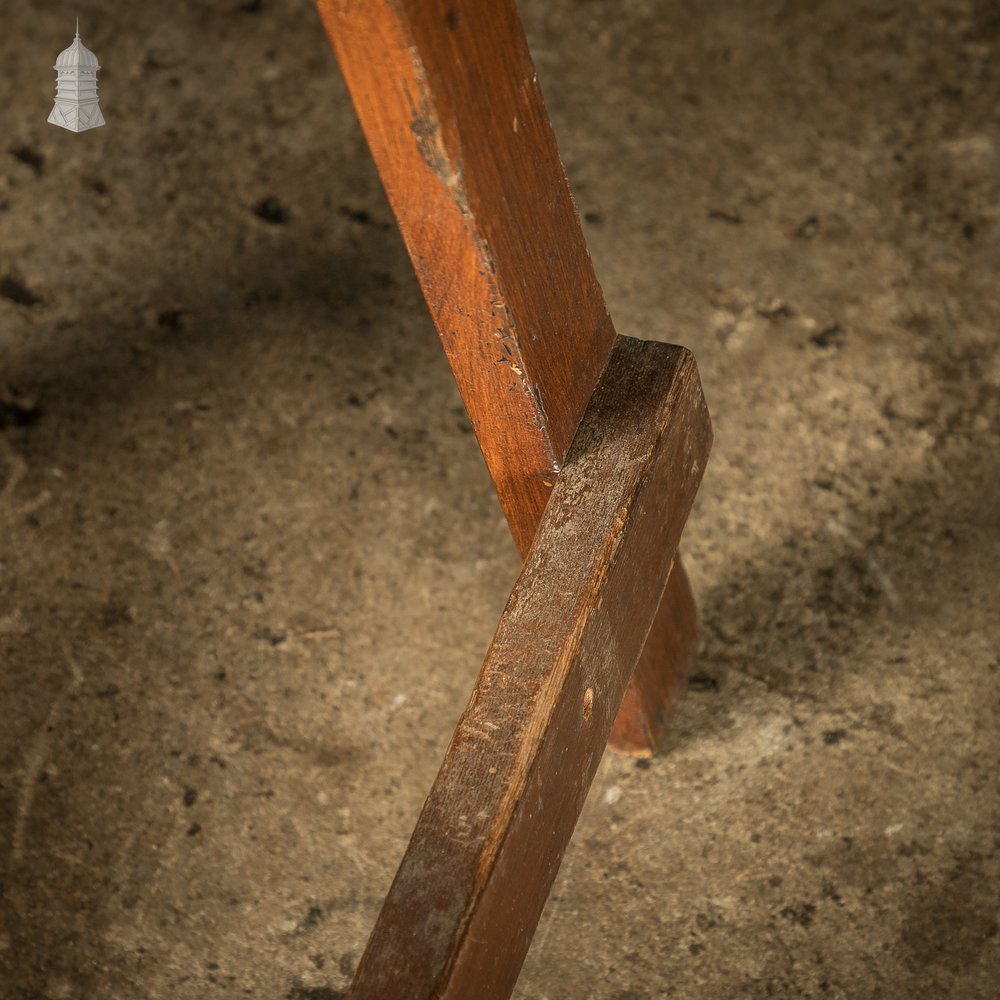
[446, 94]
[461, 912]
[447, 98]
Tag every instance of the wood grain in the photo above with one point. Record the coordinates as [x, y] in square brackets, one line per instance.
[447, 97]
[461, 912]
[446, 94]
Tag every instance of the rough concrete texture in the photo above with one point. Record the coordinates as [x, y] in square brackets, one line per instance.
[251, 559]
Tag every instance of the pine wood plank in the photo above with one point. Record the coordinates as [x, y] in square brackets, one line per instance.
[461, 912]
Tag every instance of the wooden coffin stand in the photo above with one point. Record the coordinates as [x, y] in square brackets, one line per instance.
[596, 445]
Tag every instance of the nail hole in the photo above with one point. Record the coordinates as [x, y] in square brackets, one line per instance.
[588, 704]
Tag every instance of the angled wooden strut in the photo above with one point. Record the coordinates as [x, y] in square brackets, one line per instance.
[446, 94]
[461, 912]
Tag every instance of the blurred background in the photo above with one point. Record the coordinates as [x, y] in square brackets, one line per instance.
[250, 557]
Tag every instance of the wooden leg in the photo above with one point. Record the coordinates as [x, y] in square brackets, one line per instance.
[661, 674]
[465, 902]
[446, 94]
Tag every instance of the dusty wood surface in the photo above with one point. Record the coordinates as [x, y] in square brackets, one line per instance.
[447, 97]
[461, 912]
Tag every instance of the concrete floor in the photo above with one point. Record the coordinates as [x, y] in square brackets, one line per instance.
[250, 559]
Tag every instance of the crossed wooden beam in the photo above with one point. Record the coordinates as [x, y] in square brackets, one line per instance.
[596, 445]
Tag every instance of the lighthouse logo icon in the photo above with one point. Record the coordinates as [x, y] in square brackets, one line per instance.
[76, 106]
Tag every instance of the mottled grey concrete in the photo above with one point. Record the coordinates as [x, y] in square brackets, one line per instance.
[250, 559]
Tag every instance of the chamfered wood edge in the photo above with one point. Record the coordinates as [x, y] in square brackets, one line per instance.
[463, 906]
